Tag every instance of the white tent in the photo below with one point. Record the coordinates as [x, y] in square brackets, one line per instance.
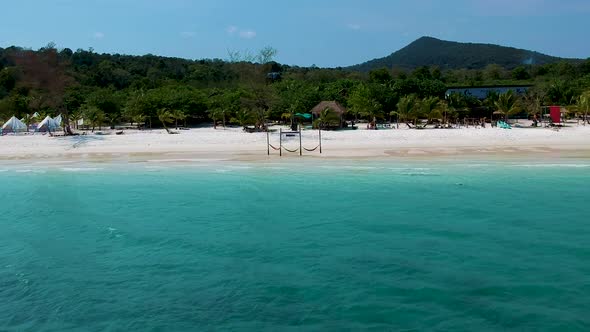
[57, 120]
[14, 125]
[48, 124]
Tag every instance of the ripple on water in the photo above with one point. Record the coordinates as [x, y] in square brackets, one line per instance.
[541, 165]
[308, 249]
[81, 169]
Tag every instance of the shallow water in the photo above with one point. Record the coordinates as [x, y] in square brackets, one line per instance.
[295, 246]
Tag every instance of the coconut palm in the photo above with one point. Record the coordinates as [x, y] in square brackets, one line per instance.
[373, 112]
[428, 108]
[491, 99]
[139, 119]
[457, 105]
[287, 116]
[180, 115]
[112, 119]
[490, 102]
[94, 116]
[363, 103]
[507, 104]
[165, 116]
[441, 111]
[243, 118]
[531, 104]
[75, 116]
[290, 113]
[327, 118]
[217, 114]
[559, 91]
[260, 116]
[584, 104]
[405, 109]
[28, 120]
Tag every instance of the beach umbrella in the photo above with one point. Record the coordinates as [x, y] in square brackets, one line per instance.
[14, 125]
[306, 116]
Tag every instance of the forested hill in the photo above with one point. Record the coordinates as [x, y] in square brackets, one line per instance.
[428, 51]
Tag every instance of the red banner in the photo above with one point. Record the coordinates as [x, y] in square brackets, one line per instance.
[555, 113]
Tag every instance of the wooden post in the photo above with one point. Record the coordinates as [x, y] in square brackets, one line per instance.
[320, 140]
[300, 145]
[267, 144]
[281, 142]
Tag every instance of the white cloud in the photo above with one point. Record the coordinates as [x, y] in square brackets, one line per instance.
[231, 29]
[188, 34]
[247, 34]
[353, 26]
[98, 35]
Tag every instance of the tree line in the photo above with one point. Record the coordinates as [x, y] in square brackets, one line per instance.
[250, 90]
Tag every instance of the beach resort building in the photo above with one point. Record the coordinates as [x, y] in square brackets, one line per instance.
[481, 92]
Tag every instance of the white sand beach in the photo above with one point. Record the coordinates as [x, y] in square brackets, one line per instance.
[234, 144]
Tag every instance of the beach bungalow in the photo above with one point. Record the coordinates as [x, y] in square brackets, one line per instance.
[329, 105]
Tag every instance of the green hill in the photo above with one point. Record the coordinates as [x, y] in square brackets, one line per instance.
[428, 51]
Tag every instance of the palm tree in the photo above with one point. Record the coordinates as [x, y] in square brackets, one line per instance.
[290, 113]
[75, 116]
[458, 103]
[362, 102]
[113, 119]
[94, 116]
[243, 118]
[287, 116]
[560, 92]
[405, 109]
[217, 114]
[165, 116]
[327, 118]
[139, 119]
[531, 104]
[372, 112]
[179, 115]
[584, 104]
[490, 102]
[507, 104]
[428, 108]
[28, 120]
[441, 111]
[260, 116]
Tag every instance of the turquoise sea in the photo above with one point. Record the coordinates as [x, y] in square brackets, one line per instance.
[296, 246]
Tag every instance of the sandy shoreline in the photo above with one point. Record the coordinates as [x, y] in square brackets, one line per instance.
[232, 144]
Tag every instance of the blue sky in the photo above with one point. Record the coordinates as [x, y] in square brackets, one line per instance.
[305, 32]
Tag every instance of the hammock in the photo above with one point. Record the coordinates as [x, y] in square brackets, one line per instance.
[311, 150]
[291, 150]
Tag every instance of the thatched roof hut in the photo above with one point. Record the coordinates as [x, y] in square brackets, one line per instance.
[333, 105]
